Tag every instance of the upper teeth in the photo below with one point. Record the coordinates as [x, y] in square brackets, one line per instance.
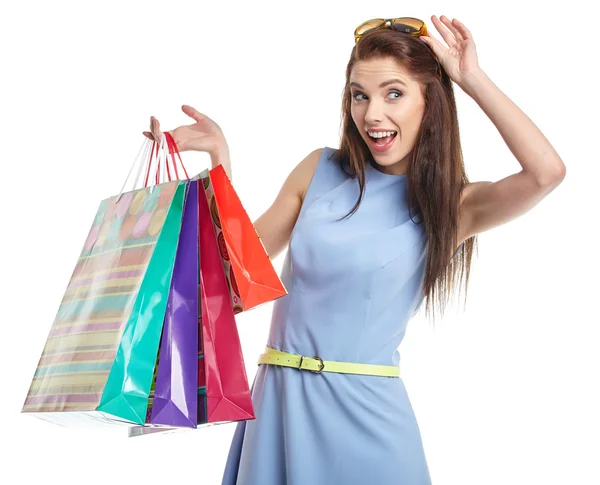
[380, 134]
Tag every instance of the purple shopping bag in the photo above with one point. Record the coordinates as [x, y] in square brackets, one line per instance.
[176, 389]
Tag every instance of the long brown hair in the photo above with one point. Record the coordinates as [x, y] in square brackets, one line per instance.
[436, 172]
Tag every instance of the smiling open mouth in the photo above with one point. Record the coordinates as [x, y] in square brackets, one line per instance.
[382, 144]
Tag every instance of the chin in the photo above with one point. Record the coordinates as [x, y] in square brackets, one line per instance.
[389, 158]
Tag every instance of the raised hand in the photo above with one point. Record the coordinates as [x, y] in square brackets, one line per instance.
[204, 135]
[459, 56]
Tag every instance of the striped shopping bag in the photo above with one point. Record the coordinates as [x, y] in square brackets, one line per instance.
[99, 358]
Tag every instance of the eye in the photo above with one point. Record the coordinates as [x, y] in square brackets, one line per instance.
[358, 93]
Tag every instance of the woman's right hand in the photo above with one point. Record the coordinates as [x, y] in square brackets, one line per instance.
[204, 135]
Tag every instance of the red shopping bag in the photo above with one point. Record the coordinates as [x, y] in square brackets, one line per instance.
[253, 279]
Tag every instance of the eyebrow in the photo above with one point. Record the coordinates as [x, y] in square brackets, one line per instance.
[383, 84]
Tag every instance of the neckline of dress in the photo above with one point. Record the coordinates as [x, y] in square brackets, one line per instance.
[383, 174]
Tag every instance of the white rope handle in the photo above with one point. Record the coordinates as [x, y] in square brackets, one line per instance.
[164, 153]
[143, 148]
[161, 159]
[146, 156]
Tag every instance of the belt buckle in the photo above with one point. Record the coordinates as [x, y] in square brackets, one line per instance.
[313, 371]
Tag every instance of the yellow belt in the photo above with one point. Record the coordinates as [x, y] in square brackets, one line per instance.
[317, 365]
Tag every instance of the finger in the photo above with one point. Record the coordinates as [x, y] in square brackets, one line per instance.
[461, 27]
[430, 39]
[155, 128]
[426, 39]
[193, 113]
[444, 32]
[149, 135]
[436, 46]
[452, 28]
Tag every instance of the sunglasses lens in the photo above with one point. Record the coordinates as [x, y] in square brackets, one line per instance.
[408, 25]
[371, 24]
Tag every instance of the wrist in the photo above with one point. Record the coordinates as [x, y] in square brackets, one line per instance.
[220, 156]
[473, 80]
[220, 148]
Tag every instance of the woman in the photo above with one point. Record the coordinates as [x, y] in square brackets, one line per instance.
[373, 228]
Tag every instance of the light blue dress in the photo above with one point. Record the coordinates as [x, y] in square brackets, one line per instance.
[353, 286]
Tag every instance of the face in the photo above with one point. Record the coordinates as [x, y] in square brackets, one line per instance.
[384, 98]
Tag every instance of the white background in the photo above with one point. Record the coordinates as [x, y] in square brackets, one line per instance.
[505, 391]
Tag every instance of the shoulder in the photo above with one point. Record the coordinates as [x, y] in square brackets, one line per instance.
[319, 160]
[306, 169]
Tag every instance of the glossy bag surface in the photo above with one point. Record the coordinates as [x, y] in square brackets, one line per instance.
[251, 277]
[173, 401]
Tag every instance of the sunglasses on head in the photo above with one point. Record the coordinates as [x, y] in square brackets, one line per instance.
[407, 25]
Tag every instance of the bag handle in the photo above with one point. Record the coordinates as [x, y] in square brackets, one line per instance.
[167, 139]
[173, 148]
[145, 149]
[159, 150]
[147, 154]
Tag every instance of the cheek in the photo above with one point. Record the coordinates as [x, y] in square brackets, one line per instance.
[356, 116]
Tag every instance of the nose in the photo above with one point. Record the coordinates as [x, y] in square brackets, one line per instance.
[374, 113]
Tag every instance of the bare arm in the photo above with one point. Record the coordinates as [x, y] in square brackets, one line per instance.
[485, 205]
[275, 226]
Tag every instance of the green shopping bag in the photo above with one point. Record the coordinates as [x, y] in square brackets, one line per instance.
[99, 358]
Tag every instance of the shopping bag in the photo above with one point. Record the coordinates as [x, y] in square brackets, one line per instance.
[223, 391]
[253, 280]
[98, 360]
[173, 398]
